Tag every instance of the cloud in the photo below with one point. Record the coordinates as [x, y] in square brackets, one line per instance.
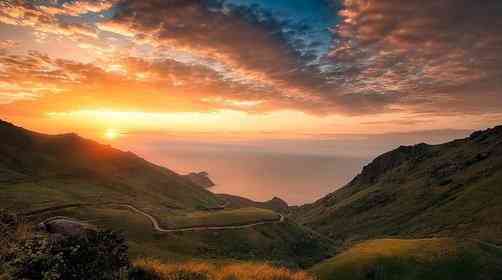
[41, 18]
[80, 7]
[431, 56]
[222, 40]
[387, 55]
[39, 83]
[381, 56]
[8, 44]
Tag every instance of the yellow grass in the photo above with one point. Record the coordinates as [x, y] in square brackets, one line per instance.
[207, 271]
[423, 250]
[383, 255]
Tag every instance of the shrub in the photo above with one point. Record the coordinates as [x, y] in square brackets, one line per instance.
[27, 255]
[99, 255]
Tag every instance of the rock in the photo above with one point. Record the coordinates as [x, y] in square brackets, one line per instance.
[388, 161]
[66, 227]
[200, 179]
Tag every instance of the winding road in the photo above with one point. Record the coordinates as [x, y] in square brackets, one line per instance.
[155, 223]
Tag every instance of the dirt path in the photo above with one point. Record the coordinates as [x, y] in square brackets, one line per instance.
[156, 226]
[155, 223]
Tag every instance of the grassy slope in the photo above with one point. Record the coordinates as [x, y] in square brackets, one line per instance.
[72, 169]
[448, 190]
[200, 270]
[275, 204]
[221, 218]
[286, 243]
[413, 259]
[40, 171]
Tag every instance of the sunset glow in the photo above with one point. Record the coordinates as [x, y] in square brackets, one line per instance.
[251, 139]
[111, 134]
[90, 65]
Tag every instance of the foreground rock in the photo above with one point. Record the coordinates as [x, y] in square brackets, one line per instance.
[66, 227]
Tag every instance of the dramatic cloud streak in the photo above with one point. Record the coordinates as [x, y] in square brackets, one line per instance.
[439, 56]
[368, 58]
[41, 18]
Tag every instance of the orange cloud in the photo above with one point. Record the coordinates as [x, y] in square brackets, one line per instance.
[24, 13]
[80, 7]
[424, 56]
[158, 56]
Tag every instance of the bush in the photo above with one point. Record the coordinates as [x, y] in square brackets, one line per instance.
[99, 255]
[95, 255]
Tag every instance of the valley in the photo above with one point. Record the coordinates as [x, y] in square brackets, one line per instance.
[162, 214]
[411, 211]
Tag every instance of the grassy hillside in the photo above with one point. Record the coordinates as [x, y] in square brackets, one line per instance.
[154, 270]
[281, 243]
[68, 168]
[275, 204]
[43, 175]
[413, 259]
[448, 190]
[27, 252]
[221, 218]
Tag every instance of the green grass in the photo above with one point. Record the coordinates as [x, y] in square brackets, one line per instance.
[220, 218]
[447, 190]
[42, 171]
[277, 243]
[389, 259]
[280, 243]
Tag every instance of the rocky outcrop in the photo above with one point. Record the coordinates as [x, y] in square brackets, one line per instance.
[388, 161]
[200, 179]
[66, 227]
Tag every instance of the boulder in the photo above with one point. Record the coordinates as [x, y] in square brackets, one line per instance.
[66, 227]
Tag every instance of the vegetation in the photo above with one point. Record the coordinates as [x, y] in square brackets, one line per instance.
[63, 169]
[413, 259]
[27, 254]
[154, 270]
[447, 194]
[448, 190]
[275, 204]
[221, 218]
[280, 243]
[66, 170]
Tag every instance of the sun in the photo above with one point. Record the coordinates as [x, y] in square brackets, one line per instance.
[111, 134]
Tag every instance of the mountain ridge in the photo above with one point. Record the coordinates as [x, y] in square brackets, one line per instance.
[36, 156]
[68, 176]
[452, 189]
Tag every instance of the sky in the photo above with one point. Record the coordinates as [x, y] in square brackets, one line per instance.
[250, 70]
[298, 171]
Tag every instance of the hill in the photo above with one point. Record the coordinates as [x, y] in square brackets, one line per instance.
[413, 259]
[200, 179]
[275, 204]
[447, 190]
[74, 166]
[43, 176]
